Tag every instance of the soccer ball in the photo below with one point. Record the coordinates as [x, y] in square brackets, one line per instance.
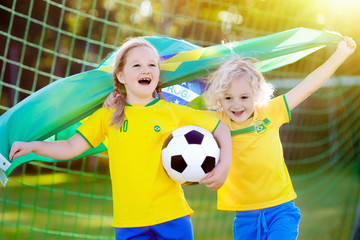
[189, 153]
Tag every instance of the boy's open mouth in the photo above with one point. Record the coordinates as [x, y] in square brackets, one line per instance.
[144, 81]
[237, 113]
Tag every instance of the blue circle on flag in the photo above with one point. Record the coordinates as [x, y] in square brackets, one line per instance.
[184, 93]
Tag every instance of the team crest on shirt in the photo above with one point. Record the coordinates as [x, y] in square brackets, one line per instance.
[260, 126]
[156, 124]
[157, 128]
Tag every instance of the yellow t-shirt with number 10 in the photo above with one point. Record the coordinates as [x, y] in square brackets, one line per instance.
[143, 194]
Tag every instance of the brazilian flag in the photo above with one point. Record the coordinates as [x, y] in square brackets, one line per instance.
[55, 111]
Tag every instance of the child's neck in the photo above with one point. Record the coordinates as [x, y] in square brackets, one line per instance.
[140, 101]
[251, 116]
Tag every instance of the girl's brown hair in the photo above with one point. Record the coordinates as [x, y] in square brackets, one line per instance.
[118, 115]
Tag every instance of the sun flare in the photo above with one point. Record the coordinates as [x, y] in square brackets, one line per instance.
[345, 3]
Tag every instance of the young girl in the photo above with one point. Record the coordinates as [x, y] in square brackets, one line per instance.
[258, 186]
[147, 204]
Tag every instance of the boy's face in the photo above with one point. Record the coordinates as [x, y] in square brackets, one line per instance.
[238, 102]
[140, 75]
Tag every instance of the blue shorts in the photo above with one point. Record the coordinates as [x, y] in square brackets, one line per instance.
[279, 222]
[180, 228]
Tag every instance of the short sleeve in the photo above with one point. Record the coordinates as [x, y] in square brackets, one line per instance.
[94, 127]
[278, 110]
[204, 119]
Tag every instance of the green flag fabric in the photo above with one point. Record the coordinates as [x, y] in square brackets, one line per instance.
[55, 111]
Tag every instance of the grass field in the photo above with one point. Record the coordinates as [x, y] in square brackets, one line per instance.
[64, 206]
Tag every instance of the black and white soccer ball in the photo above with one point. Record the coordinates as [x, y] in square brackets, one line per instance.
[189, 154]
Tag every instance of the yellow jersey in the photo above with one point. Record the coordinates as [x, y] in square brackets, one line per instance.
[258, 176]
[143, 194]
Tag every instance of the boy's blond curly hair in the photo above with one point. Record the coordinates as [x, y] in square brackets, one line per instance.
[220, 80]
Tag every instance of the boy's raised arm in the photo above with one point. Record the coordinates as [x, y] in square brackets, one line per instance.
[318, 77]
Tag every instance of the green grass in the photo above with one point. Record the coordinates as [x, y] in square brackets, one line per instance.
[66, 206]
[328, 202]
[63, 208]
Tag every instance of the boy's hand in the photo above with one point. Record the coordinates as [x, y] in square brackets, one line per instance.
[110, 101]
[347, 46]
[216, 178]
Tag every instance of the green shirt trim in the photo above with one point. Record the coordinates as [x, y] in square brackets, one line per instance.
[153, 102]
[287, 107]
[216, 127]
[243, 130]
[85, 138]
[249, 129]
[147, 105]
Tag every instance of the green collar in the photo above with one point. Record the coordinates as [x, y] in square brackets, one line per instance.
[259, 127]
[147, 105]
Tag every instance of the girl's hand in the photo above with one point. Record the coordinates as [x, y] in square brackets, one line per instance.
[346, 47]
[110, 101]
[216, 178]
[19, 149]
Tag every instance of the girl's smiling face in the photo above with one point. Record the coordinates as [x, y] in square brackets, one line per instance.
[238, 101]
[140, 75]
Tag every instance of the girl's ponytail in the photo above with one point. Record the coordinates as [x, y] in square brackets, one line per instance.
[118, 116]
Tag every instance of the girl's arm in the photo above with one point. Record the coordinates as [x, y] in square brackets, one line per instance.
[318, 77]
[216, 178]
[61, 150]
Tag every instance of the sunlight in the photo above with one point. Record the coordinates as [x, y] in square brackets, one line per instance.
[333, 13]
[345, 4]
[145, 8]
